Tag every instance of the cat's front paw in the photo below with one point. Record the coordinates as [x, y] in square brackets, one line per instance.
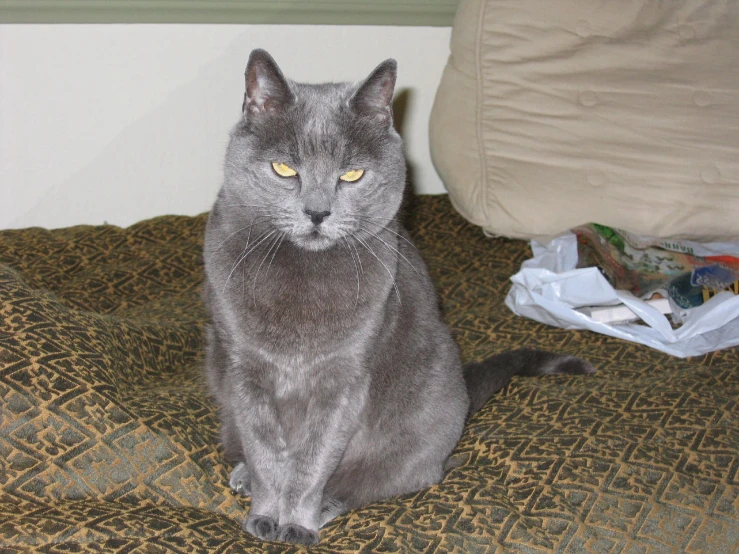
[239, 480]
[262, 527]
[297, 535]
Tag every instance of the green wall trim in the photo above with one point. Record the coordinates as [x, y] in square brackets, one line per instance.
[437, 13]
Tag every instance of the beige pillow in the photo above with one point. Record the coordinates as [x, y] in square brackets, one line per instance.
[624, 113]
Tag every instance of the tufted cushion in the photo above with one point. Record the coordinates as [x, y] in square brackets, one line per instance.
[554, 114]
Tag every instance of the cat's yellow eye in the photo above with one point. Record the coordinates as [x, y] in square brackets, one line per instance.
[283, 170]
[353, 175]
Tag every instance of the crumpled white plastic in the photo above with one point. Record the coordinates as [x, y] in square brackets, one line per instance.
[549, 289]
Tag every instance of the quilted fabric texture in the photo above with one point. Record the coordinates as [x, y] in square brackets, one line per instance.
[108, 439]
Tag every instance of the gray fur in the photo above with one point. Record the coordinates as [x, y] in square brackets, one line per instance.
[337, 382]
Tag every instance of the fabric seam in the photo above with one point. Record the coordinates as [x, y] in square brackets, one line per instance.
[478, 109]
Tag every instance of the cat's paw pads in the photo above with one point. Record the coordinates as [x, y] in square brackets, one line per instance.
[239, 480]
[262, 527]
[297, 535]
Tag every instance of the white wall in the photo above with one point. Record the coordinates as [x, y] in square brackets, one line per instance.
[118, 123]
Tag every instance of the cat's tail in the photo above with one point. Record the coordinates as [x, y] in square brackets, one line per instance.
[484, 379]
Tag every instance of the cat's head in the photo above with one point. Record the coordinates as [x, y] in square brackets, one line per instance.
[319, 163]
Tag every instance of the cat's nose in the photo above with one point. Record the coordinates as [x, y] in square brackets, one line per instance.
[317, 217]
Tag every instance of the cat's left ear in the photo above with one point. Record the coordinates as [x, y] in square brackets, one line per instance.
[374, 96]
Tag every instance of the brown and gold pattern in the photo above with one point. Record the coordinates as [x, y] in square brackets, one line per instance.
[108, 439]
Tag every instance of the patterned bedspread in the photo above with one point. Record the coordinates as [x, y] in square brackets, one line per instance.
[108, 439]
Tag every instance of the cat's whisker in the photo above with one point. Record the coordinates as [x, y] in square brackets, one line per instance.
[269, 265]
[356, 268]
[262, 207]
[246, 246]
[365, 216]
[369, 249]
[275, 252]
[359, 258]
[264, 236]
[233, 234]
[348, 230]
[277, 241]
[244, 253]
[393, 249]
[243, 267]
[369, 220]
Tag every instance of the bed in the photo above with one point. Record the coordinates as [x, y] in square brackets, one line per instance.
[109, 440]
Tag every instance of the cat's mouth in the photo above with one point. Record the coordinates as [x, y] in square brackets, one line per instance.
[314, 240]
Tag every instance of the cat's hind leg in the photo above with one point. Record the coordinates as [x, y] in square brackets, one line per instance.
[376, 479]
[330, 509]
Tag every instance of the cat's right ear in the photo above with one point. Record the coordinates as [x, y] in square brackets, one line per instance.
[267, 90]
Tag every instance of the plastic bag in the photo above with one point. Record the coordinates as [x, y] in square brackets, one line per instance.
[550, 290]
[687, 272]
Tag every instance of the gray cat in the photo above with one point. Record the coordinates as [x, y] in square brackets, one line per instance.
[337, 381]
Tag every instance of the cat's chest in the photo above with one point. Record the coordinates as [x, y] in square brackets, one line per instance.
[292, 309]
[327, 287]
[278, 296]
